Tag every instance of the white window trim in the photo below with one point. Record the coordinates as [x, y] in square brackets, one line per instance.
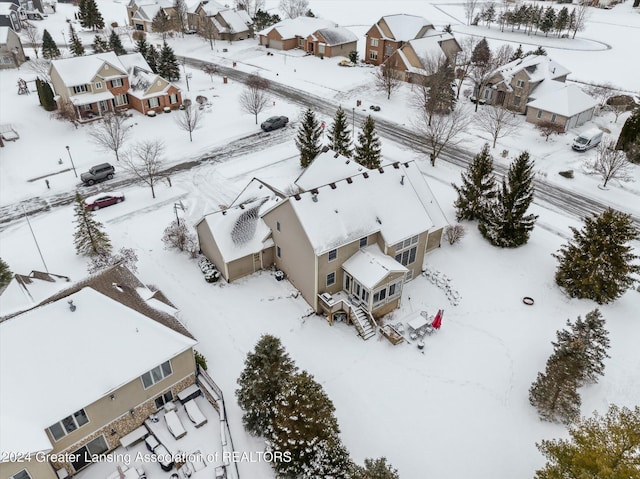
[64, 430]
[374, 41]
[98, 85]
[373, 55]
[154, 381]
[329, 255]
[20, 472]
[334, 279]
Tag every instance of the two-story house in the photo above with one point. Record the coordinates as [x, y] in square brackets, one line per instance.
[142, 12]
[82, 369]
[353, 241]
[104, 82]
[223, 22]
[11, 51]
[390, 33]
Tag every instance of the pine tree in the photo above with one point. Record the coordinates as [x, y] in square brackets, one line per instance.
[548, 20]
[115, 44]
[142, 47]
[48, 99]
[305, 426]
[76, 45]
[562, 20]
[441, 96]
[308, 139]
[477, 189]
[82, 10]
[506, 223]
[100, 45]
[375, 469]
[517, 54]
[481, 54]
[629, 135]
[368, 151]
[555, 392]
[152, 58]
[50, 50]
[593, 338]
[5, 273]
[89, 237]
[599, 447]
[339, 138]
[266, 372]
[90, 16]
[167, 65]
[598, 263]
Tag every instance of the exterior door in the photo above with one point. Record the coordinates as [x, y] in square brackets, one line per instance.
[257, 264]
[500, 99]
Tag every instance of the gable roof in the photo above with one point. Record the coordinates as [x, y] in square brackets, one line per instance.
[536, 67]
[337, 35]
[106, 343]
[567, 101]
[80, 70]
[25, 291]
[405, 27]
[370, 266]
[236, 21]
[298, 27]
[326, 168]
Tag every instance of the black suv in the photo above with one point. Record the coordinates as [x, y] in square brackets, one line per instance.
[98, 173]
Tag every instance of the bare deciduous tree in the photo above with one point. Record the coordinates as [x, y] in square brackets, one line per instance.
[41, 67]
[463, 60]
[610, 164]
[189, 119]
[454, 233]
[294, 8]
[387, 79]
[144, 161]
[111, 132]
[208, 32]
[443, 130]
[210, 69]
[32, 34]
[250, 6]
[601, 92]
[104, 259]
[470, 7]
[254, 97]
[548, 128]
[180, 16]
[582, 14]
[497, 121]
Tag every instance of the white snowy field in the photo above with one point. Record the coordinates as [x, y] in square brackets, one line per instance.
[466, 396]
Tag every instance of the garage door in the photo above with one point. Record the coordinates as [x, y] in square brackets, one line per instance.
[276, 44]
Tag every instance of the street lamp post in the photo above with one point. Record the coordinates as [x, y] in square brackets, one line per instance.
[72, 165]
[353, 122]
[65, 40]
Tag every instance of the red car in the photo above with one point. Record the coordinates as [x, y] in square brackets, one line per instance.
[103, 200]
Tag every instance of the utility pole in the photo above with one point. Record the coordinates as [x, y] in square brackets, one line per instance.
[34, 239]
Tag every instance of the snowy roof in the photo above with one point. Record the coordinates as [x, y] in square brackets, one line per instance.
[87, 98]
[81, 70]
[212, 7]
[84, 341]
[429, 46]
[7, 7]
[567, 101]
[298, 27]
[545, 87]
[147, 12]
[24, 292]
[134, 60]
[4, 34]
[337, 35]
[326, 168]
[394, 200]
[405, 27]
[237, 23]
[370, 266]
[537, 68]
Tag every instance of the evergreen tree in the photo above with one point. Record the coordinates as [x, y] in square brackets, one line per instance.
[89, 237]
[555, 392]
[447, 29]
[100, 45]
[48, 99]
[562, 20]
[5, 273]
[152, 58]
[375, 469]
[76, 45]
[548, 20]
[506, 223]
[50, 50]
[477, 189]
[441, 94]
[591, 335]
[599, 263]
[537, 51]
[517, 54]
[599, 447]
[629, 135]
[305, 426]
[82, 10]
[481, 54]
[264, 19]
[308, 139]
[167, 65]
[368, 151]
[266, 372]
[115, 45]
[339, 138]
[142, 47]
[90, 16]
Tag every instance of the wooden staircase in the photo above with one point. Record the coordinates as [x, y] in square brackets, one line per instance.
[363, 321]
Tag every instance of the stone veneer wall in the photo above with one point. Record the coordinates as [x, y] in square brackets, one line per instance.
[125, 423]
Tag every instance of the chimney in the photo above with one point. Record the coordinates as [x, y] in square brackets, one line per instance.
[402, 180]
[72, 306]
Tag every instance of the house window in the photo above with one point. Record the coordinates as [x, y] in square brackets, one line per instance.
[374, 42]
[116, 82]
[84, 455]
[278, 252]
[520, 83]
[153, 102]
[373, 55]
[164, 399]
[173, 98]
[331, 278]
[121, 99]
[539, 115]
[405, 251]
[98, 85]
[301, 42]
[553, 118]
[68, 424]
[321, 48]
[80, 89]
[363, 242]
[333, 254]
[157, 374]
[516, 100]
[21, 475]
[278, 225]
[379, 296]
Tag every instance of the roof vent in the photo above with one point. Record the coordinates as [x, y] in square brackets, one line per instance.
[402, 180]
[314, 197]
[297, 196]
[117, 286]
[349, 180]
[241, 207]
[347, 162]
[396, 165]
[336, 155]
[332, 185]
[72, 306]
[224, 212]
[325, 148]
[365, 174]
[381, 170]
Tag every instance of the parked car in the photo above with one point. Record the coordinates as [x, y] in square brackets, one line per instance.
[104, 171]
[587, 139]
[274, 123]
[374, 108]
[103, 200]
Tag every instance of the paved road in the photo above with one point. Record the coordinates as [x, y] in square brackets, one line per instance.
[561, 199]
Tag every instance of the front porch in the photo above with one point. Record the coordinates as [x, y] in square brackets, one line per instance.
[343, 307]
[92, 106]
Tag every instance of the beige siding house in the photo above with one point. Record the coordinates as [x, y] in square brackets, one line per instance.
[347, 240]
[114, 354]
[11, 51]
[391, 32]
[568, 106]
[306, 34]
[224, 23]
[411, 58]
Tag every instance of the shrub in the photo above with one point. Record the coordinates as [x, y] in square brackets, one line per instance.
[200, 360]
[454, 233]
[566, 174]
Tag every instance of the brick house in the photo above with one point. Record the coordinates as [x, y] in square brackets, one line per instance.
[96, 84]
[108, 353]
[391, 32]
[292, 33]
[225, 23]
[331, 42]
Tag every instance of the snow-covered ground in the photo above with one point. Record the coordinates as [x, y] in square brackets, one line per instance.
[466, 395]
